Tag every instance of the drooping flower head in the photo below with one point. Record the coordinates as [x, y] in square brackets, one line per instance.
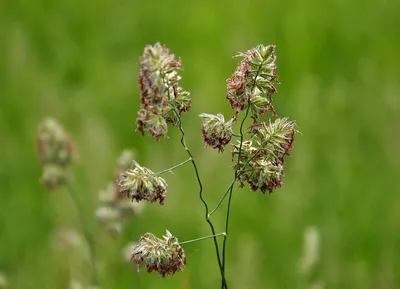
[254, 81]
[215, 131]
[140, 183]
[165, 256]
[162, 99]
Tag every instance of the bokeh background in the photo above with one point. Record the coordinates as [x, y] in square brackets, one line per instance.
[76, 60]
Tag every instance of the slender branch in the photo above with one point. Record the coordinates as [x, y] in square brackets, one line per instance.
[86, 233]
[183, 142]
[221, 200]
[230, 190]
[202, 238]
[174, 167]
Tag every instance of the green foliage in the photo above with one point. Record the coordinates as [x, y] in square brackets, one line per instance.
[76, 61]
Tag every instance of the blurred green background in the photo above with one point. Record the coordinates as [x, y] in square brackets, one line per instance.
[338, 62]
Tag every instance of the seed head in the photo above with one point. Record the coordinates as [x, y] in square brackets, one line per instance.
[140, 183]
[262, 158]
[254, 81]
[275, 138]
[216, 132]
[153, 122]
[162, 99]
[263, 175]
[165, 256]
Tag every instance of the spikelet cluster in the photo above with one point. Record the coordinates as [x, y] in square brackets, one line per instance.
[253, 82]
[215, 131]
[258, 159]
[140, 183]
[162, 99]
[262, 157]
[164, 256]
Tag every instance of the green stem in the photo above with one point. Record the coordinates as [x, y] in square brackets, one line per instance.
[88, 236]
[202, 238]
[230, 190]
[183, 142]
[221, 200]
[174, 167]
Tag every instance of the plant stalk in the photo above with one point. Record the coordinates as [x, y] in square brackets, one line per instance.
[202, 238]
[184, 145]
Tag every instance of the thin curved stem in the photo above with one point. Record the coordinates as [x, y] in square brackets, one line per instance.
[183, 142]
[174, 167]
[201, 239]
[88, 236]
[221, 200]
[230, 190]
[184, 145]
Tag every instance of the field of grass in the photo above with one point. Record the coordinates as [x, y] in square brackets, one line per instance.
[76, 60]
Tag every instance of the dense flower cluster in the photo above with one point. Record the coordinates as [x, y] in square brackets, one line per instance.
[140, 183]
[162, 99]
[216, 132]
[164, 256]
[56, 153]
[254, 81]
[275, 138]
[260, 159]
